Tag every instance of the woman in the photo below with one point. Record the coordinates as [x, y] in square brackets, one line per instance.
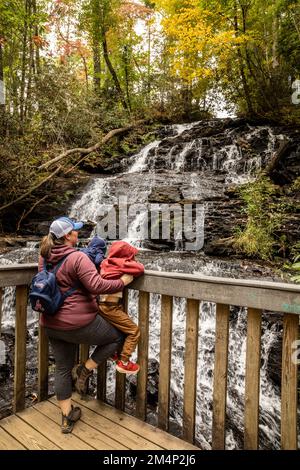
[77, 321]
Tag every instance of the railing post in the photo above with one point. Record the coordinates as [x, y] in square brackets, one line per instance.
[190, 370]
[165, 362]
[101, 381]
[252, 379]
[20, 348]
[43, 363]
[1, 296]
[141, 394]
[289, 383]
[220, 377]
[121, 378]
[83, 353]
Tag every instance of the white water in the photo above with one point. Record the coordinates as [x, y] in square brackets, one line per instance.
[136, 184]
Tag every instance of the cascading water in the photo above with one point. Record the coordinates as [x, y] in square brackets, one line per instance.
[191, 164]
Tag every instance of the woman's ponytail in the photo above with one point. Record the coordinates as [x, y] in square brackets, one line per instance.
[48, 242]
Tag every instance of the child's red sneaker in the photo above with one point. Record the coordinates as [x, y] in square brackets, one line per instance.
[127, 368]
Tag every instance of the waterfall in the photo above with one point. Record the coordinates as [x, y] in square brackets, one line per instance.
[189, 163]
[9, 295]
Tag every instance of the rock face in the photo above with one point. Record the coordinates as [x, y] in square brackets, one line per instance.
[205, 165]
[201, 164]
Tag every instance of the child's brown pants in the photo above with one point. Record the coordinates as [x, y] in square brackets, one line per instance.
[115, 315]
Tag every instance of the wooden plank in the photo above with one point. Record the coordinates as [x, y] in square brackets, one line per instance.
[1, 297]
[27, 435]
[17, 274]
[155, 435]
[50, 429]
[165, 362]
[83, 353]
[226, 281]
[20, 348]
[275, 297]
[111, 429]
[141, 394]
[252, 379]
[220, 377]
[120, 391]
[8, 442]
[272, 296]
[121, 378]
[190, 370]
[84, 432]
[289, 383]
[16, 271]
[43, 359]
[101, 381]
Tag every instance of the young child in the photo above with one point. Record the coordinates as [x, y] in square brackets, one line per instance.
[96, 250]
[120, 260]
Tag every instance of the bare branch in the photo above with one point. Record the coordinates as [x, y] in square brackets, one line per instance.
[31, 190]
[26, 213]
[93, 148]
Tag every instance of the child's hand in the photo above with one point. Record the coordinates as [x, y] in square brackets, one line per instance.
[127, 279]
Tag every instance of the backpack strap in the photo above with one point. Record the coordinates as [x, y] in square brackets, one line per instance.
[58, 265]
[54, 271]
[61, 262]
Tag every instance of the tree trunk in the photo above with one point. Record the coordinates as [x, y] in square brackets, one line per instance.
[242, 68]
[149, 65]
[31, 65]
[2, 94]
[96, 36]
[126, 70]
[97, 66]
[36, 33]
[23, 68]
[113, 72]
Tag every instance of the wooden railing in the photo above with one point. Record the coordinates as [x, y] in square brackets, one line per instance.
[255, 295]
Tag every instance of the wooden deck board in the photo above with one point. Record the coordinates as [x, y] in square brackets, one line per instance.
[101, 427]
[155, 435]
[111, 429]
[26, 434]
[47, 427]
[82, 430]
[7, 442]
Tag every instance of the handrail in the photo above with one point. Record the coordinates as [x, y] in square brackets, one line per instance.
[256, 295]
[180, 276]
[266, 295]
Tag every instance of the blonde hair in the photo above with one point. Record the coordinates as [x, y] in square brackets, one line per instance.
[48, 242]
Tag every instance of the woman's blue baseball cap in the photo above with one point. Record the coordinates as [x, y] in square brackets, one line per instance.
[64, 225]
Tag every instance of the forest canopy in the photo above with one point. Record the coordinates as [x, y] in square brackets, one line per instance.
[73, 70]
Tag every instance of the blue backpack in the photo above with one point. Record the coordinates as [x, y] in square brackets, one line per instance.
[45, 295]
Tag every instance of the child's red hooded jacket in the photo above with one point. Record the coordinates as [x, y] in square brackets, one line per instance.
[120, 260]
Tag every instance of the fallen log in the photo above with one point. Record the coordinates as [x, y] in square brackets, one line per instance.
[82, 151]
[276, 158]
[93, 148]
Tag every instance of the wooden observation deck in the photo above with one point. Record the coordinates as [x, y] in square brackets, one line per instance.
[108, 427]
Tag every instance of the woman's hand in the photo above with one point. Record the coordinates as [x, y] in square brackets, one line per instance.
[127, 279]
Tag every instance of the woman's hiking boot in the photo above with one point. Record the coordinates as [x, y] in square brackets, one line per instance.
[67, 423]
[80, 375]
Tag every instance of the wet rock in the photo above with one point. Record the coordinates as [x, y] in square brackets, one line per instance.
[152, 383]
